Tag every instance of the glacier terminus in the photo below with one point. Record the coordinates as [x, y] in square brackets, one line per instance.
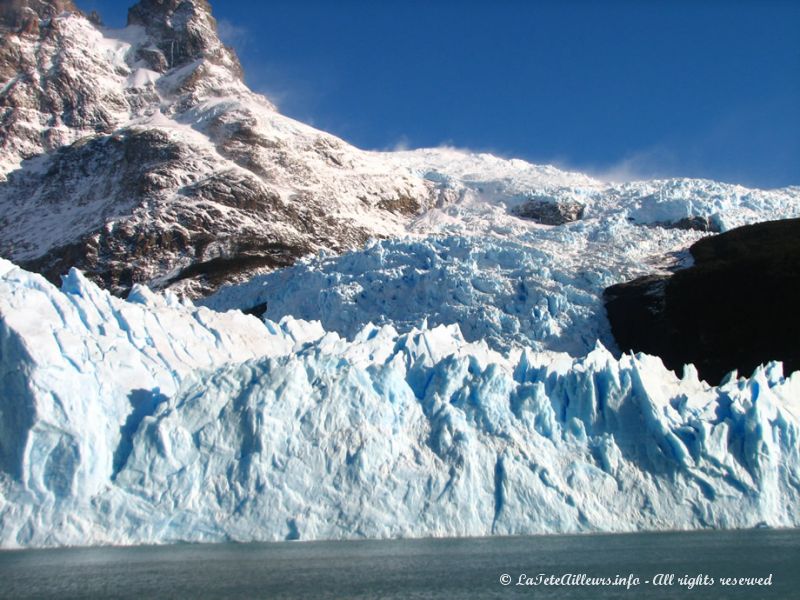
[220, 324]
[149, 420]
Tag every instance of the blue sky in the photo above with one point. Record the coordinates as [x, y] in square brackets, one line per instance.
[701, 88]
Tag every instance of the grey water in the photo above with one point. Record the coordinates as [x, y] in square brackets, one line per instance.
[423, 569]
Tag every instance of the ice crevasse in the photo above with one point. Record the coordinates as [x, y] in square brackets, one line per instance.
[152, 420]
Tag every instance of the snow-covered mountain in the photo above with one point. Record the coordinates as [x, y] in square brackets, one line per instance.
[139, 155]
[436, 361]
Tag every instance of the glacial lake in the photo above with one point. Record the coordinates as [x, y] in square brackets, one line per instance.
[421, 569]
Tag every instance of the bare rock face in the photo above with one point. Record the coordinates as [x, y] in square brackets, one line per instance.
[549, 212]
[141, 156]
[22, 16]
[735, 309]
[182, 31]
[693, 223]
[51, 95]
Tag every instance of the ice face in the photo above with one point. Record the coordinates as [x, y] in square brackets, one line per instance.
[445, 383]
[499, 291]
[157, 421]
[77, 363]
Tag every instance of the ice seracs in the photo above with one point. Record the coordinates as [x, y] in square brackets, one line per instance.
[436, 363]
[501, 278]
[156, 421]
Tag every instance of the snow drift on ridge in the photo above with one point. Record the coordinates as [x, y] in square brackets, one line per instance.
[156, 421]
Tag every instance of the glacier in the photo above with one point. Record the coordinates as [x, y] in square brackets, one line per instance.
[152, 420]
[455, 375]
[502, 279]
[500, 291]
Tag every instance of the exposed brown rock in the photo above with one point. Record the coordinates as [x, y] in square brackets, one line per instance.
[181, 29]
[22, 16]
[549, 212]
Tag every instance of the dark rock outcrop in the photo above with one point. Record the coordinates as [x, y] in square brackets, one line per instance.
[183, 31]
[548, 212]
[736, 308]
[696, 223]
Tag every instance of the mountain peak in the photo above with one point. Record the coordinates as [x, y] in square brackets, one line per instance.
[23, 15]
[183, 31]
[146, 12]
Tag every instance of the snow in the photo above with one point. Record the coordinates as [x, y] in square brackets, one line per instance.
[152, 421]
[204, 106]
[502, 279]
[142, 78]
[495, 290]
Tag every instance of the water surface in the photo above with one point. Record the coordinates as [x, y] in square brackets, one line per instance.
[415, 569]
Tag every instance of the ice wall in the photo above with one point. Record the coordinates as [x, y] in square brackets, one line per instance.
[153, 421]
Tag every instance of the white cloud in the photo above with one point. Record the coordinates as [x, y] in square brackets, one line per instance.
[232, 34]
[402, 144]
[655, 162]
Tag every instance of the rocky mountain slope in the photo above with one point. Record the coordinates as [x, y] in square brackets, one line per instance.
[139, 155]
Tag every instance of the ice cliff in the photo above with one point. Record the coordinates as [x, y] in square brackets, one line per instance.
[437, 361]
[152, 420]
